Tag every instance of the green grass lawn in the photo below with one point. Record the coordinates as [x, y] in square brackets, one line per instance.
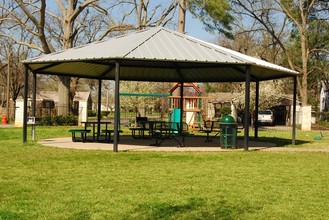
[39, 182]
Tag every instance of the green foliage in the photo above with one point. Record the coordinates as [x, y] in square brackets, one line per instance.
[225, 110]
[137, 102]
[215, 15]
[92, 113]
[222, 87]
[105, 113]
[322, 125]
[59, 120]
[326, 116]
[46, 120]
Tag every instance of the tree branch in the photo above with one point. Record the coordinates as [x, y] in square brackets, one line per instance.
[32, 46]
[116, 28]
[81, 8]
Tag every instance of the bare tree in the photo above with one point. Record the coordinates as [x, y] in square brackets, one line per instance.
[277, 18]
[12, 74]
[70, 23]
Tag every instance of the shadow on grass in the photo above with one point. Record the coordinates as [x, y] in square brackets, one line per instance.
[5, 214]
[80, 215]
[280, 142]
[195, 208]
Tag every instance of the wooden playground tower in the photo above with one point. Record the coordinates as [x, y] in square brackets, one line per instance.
[193, 109]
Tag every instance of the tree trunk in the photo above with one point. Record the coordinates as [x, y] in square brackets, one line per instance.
[63, 95]
[181, 16]
[304, 48]
[64, 82]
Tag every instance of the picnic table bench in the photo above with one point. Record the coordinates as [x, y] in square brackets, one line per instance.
[108, 133]
[95, 128]
[83, 133]
[211, 127]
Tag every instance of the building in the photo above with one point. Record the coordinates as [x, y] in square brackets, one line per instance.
[46, 106]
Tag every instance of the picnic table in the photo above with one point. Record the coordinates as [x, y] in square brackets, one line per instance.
[144, 130]
[169, 130]
[97, 131]
[108, 134]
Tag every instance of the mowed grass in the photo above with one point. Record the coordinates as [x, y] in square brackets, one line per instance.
[38, 182]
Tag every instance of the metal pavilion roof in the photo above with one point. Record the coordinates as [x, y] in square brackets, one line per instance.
[156, 54]
[160, 55]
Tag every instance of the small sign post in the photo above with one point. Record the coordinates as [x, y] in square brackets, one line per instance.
[31, 121]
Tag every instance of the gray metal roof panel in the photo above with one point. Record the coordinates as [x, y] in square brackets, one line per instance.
[173, 46]
[156, 54]
[156, 43]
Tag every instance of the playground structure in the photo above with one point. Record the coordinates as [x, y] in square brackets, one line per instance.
[193, 109]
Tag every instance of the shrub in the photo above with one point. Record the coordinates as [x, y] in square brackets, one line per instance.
[92, 113]
[105, 113]
[46, 121]
[60, 120]
[225, 110]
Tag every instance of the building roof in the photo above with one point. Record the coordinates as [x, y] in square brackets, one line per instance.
[221, 97]
[53, 95]
[156, 54]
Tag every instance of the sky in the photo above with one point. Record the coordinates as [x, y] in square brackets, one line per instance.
[194, 28]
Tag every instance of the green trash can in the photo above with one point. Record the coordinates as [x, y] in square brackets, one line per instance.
[228, 134]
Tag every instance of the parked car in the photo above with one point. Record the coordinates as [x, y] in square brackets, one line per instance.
[266, 117]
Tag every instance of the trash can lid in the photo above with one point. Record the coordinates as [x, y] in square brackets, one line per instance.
[227, 119]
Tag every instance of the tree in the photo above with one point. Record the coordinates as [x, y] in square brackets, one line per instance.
[12, 71]
[215, 15]
[262, 46]
[318, 61]
[15, 71]
[52, 27]
[181, 16]
[137, 102]
[280, 17]
[32, 17]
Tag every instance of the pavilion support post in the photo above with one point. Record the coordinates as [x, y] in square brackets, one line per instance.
[117, 108]
[34, 94]
[181, 107]
[247, 110]
[99, 107]
[293, 139]
[34, 102]
[26, 90]
[256, 110]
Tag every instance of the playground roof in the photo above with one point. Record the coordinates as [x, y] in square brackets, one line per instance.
[156, 54]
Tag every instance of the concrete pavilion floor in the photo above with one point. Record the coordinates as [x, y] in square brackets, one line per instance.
[127, 143]
[194, 143]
